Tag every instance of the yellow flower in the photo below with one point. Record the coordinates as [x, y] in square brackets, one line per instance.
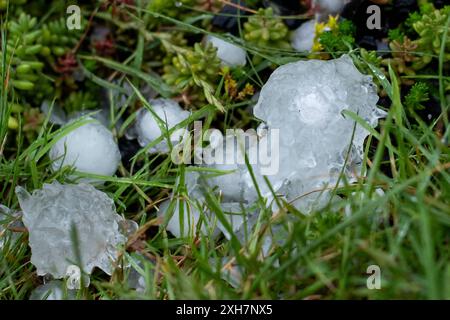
[319, 28]
[333, 22]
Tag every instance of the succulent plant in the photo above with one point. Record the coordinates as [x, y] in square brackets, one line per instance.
[57, 39]
[195, 71]
[22, 50]
[371, 57]
[266, 30]
[431, 28]
[404, 58]
[200, 63]
[80, 100]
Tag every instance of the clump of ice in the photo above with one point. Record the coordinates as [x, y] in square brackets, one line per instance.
[305, 101]
[166, 114]
[90, 148]
[53, 290]
[55, 213]
[230, 54]
[302, 38]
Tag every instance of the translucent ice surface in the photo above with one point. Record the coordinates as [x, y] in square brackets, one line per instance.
[147, 127]
[230, 54]
[305, 101]
[90, 148]
[56, 213]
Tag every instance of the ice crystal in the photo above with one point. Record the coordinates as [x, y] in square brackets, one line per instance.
[65, 219]
[306, 101]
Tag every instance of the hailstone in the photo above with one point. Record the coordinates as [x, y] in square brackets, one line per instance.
[230, 54]
[56, 213]
[303, 37]
[148, 129]
[90, 148]
[305, 101]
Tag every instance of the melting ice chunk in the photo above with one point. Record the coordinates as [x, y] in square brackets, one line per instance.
[230, 54]
[90, 148]
[305, 101]
[58, 214]
[148, 129]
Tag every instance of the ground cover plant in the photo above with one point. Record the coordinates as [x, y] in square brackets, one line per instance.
[129, 60]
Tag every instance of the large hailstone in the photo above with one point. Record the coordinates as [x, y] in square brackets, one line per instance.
[230, 54]
[51, 213]
[90, 149]
[304, 100]
[147, 127]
